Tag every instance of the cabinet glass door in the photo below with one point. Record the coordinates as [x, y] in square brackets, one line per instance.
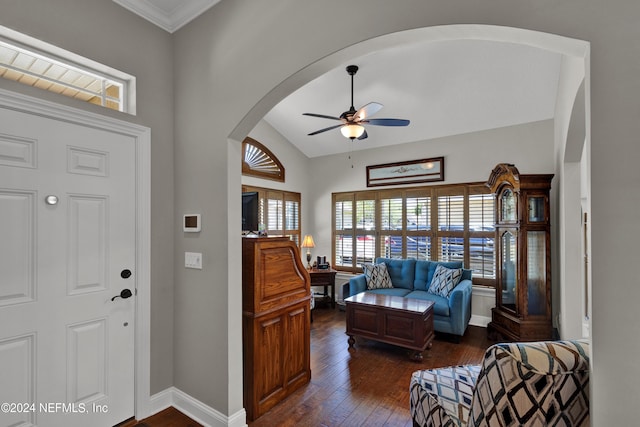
[509, 273]
[536, 273]
[535, 205]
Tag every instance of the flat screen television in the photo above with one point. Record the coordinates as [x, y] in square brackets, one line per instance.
[250, 218]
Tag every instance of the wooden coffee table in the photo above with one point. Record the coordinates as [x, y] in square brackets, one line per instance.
[404, 322]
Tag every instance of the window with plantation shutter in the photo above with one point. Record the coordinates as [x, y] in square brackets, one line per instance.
[365, 231]
[343, 231]
[440, 223]
[419, 236]
[450, 239]
[279, 212]
[404, 219]
[354, 236]
[292, 218]
[482, 234]
[392, 218]
[274, 213]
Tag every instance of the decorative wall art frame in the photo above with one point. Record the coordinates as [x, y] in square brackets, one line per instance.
[409, 172]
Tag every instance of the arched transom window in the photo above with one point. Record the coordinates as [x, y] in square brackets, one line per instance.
[258, 161]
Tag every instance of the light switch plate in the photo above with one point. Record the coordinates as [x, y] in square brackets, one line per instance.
[193, 260]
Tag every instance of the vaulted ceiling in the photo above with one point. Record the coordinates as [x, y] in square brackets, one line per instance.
[443, 87]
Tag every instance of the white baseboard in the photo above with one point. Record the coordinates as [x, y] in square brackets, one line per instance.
[481, 321]
[195, 409]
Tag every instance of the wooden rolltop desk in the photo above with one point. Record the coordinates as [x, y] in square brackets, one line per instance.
[275, 322]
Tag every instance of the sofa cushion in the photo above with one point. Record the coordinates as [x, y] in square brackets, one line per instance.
[377, 275]
[421, 282]
[444, 280]
[449, 264]
[426, 269]
[441, 307]
[401, 271]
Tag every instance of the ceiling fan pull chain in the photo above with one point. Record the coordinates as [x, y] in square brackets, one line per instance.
[351, 153]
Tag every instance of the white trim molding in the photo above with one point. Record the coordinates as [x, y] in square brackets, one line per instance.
[481, 321]
[173, 16]
[195, 409]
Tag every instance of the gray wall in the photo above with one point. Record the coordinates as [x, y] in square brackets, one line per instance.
[105, 32]
[234, 62]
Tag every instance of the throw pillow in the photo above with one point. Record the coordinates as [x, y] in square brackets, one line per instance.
[444, 280]
[377, 276]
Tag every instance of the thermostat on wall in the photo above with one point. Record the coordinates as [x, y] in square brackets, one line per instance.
[191, 223]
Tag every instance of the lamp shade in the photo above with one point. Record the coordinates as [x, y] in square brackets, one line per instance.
[352, 131]
[308, 241]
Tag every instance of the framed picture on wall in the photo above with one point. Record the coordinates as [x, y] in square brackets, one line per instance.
[409, 172]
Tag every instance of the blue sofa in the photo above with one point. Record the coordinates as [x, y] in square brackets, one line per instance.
[411, 279]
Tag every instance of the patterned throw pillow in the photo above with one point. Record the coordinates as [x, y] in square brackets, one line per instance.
[444, 280]
[377, 276]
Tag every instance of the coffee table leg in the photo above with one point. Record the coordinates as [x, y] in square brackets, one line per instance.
[351, 341]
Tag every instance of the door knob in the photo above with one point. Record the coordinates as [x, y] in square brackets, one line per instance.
[126, 293]
[125, 274]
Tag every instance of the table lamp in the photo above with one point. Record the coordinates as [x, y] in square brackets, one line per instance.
[308, 243]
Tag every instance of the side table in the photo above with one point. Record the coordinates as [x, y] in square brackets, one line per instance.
[326, 279]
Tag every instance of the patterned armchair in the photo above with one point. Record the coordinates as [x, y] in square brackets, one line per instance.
[518, 384]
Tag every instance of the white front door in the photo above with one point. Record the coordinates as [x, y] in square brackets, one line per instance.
[67, 248]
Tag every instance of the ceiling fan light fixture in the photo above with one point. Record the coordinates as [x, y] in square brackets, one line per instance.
[352, 131]
[351, 119]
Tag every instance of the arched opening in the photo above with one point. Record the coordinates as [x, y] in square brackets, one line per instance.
[574, 74]
[575, 208]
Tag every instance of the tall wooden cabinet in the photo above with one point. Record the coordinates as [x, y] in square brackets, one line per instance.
[523, 243]
[276, 297]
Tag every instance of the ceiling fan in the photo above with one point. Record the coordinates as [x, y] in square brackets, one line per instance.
[353, 120]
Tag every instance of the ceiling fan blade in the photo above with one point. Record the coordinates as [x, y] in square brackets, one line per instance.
[325, 129]
[363, 136]
[322, 116]
[367, 111]
[387, 122]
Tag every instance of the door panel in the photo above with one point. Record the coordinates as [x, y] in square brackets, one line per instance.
[87, 357]
[18, 353]
[87, 244]
[64, 339]
[17, 262]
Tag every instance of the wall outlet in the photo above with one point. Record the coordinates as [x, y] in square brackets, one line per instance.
[193, 260]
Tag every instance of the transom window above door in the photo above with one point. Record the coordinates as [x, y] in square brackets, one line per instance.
[34, 63]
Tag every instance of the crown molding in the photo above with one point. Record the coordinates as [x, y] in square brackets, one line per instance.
[168, 15]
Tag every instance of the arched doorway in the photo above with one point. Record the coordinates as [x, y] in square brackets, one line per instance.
[573, 91]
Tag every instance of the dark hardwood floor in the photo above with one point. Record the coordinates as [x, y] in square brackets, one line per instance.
[170, 417]
[367, 386]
